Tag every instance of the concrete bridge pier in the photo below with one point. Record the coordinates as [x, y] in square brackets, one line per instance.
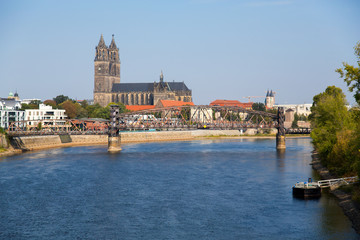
[114, 139]
[280, 142]
[280, 136]
[114, 144]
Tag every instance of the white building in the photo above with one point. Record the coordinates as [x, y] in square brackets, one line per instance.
[28, 101]
[201, 114]
[10, 112]
[299, 109]
[45, 113]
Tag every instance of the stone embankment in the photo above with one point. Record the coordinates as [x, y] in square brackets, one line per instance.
[29, 143]
[349, 207]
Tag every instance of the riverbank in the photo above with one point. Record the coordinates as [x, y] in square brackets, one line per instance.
[350, 208]
[31, 143]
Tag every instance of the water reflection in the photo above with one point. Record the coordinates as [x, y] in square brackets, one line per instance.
[211, 189]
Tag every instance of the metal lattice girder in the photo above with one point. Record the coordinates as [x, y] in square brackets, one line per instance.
[57, 126]
[114, 121]
[179, 117]
[281, 121]
[201, 115]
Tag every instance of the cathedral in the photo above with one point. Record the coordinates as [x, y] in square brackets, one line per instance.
[107, 86]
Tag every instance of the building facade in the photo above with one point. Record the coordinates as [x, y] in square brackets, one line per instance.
[45, 114]
[10, 111]
[107, 86]
[300, 109]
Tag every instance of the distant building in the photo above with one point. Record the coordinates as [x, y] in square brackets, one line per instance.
[107, 86]
[203, 114]
[10, 111]
[139, 107]
[270, 99]
[28, 101]
[13, 96]
[172, 103]
[46, 113]
[299, 109]
[236, 103]
[289, 117]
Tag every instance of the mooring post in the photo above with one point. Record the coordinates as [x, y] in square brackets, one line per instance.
[114, 139]
[280, 136]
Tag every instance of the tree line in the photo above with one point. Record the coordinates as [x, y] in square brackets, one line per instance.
[336, 129]
[74, 109]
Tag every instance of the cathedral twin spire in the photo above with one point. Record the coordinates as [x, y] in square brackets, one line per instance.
[104, 53]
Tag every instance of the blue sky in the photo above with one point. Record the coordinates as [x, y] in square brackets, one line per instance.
[222, 49]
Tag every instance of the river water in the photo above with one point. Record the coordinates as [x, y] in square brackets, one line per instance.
[205, 189]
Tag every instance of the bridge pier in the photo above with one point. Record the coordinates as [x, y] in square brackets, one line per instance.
[280, 142]
[280, 136]
[114, 139]
[114, 144]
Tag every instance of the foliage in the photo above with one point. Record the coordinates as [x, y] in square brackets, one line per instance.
[39, 126]
[351, 74]
[295, 123]
[259, 107]
[60, 99]
[84, 104]
[83, 110]
[50, 102]
[32, 105]
[70, 108]
[185, 112]
[335, 134]
[101, 112]
[297, 118]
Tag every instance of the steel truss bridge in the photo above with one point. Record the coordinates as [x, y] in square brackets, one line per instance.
[169, 118]
[197, 117]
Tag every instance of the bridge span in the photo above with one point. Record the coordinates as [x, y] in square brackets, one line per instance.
[170, 118]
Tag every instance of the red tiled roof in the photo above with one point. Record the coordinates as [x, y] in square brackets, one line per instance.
[229, 103]
[139, 107]
[236, 103]
[172, 103]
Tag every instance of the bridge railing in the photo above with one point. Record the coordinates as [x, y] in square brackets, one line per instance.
[337, 181]
[57, 127]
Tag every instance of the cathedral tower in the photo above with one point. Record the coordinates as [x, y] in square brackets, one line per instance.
[106, 71]
[270, 99]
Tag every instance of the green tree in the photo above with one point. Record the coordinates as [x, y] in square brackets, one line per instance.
[32, 105]
[295, 122]
[96, 111]
[50, 102]
[70, 108]
[81, 112]
[102, 112]
[259, 107]
[351, 74]
[333, 126]
[60, 99]
[84, 104]
[39, 126]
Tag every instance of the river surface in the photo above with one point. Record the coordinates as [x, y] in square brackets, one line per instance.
[204, 189]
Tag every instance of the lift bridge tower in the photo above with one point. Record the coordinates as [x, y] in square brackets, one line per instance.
[114, 139]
